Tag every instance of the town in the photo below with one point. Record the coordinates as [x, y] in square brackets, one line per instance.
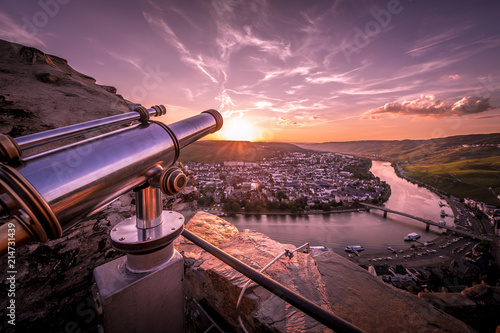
[315, 182]
[292, 182]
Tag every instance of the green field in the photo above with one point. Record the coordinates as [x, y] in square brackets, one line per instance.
[471, 178]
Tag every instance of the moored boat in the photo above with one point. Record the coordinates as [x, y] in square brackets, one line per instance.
[354, 248]
[412, 236]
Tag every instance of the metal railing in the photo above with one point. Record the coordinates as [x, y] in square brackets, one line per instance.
[311, 309]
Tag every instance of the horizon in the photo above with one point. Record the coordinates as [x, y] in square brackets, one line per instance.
[286, 71]
[302, 142]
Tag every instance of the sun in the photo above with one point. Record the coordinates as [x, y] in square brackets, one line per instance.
[239, 130]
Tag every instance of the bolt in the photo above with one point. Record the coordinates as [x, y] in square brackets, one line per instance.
[149, 238]
[121, 239]
[173, 228]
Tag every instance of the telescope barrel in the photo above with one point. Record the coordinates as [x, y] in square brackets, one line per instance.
[60, 187]
[41, 138]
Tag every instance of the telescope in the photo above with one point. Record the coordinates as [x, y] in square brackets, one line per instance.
[48, 192]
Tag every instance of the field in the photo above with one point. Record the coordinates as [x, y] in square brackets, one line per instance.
[221, 151]
[471, 178]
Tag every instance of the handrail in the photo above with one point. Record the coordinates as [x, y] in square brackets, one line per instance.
[287, 253]
[313, 310]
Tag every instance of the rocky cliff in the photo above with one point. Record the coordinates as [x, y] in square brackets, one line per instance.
[328, 279]
[38, 92]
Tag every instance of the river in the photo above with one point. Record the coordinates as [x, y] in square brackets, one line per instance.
[370, 230]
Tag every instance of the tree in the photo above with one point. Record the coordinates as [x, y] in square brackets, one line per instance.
[281, 195]
[273, 205]
[231, 206]
[235, 207]
[249, 207]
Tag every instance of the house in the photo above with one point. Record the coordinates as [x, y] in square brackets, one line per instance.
[382, 272]
[417, 276]
[401, 276]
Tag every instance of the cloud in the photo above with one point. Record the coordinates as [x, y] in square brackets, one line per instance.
[429, 106]
[298, 121]
[470, 105]
[212, 68]
[424, 44]
[263, 104]
[327, 79]
[493, 116]
[26, 34]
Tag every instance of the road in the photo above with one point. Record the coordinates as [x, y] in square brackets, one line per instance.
[443, 251]
[446, 248]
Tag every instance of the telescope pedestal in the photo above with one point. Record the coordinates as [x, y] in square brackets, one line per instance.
[141, 302]
[143, 291]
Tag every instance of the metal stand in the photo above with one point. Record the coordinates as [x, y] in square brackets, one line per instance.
[143, 291]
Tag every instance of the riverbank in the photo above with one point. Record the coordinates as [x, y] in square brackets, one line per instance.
[350, 210]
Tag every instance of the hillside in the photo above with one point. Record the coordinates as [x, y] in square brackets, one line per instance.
[39, 92]
[220, 151]
[464, 166]
[412, 150]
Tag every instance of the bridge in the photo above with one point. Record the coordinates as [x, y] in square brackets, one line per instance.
[427, 222]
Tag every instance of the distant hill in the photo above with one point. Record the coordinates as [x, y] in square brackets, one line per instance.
[220, 151]
[464, 165]
[411, 150]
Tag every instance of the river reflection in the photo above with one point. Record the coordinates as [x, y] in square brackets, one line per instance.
[371, 230]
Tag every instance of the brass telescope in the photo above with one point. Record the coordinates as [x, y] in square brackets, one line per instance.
[47, 193]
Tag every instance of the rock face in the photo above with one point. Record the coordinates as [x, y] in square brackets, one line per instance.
[479, 305]
[40, 92]
[208, 278]
[375, 306]
[328, 280]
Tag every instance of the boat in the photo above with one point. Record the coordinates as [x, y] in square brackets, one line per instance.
[412, 236]
[443, 214]
[442, 222]
[318, 249]
[441, 204]
[354, 248]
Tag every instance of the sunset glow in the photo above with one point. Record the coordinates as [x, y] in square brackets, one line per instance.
[296, 70]
[239, 130]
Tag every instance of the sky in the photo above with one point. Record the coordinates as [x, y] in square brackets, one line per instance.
[285, 70]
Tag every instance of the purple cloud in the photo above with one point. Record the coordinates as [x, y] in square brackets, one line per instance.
[429, 106]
